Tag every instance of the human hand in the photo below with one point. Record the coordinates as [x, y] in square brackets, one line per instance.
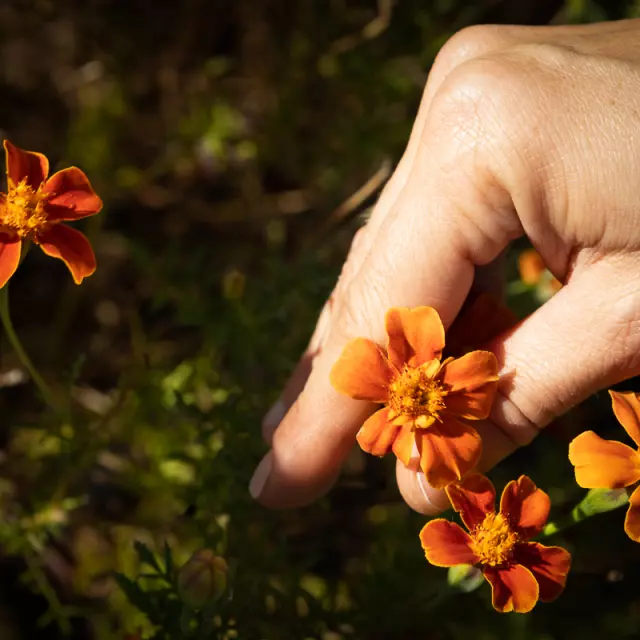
[521, 130]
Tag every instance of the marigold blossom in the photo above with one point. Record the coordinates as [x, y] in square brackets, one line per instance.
[519, 571]
[427, 401]
[609, 464]
[34, 208]
[483, 318]
[533, 270]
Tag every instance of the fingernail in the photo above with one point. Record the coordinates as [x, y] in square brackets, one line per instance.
[274, 416]
[260, 476]
[506, 371]
[424, 490]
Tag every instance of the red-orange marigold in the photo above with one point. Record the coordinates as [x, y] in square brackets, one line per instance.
[608, 464]
[520, 572]
[427, 402]
[34, 208]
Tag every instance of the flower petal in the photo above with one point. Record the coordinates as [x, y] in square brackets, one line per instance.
[473, 499]
[632, 519]
[603, 463]
[362, 371]
[531, 267]
[473, 371]
[472, 383]
[513, 588]
[377, 434]
[446, 544]
[549, 566]
[448, 450]
[415, 335]
[403, 445]
[472, 405]
[9, 257]
[525, 506]
[626, 406]
[70, 246]
[29, 165]
[73, 196]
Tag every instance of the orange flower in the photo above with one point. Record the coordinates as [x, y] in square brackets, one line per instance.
[533, 270]
[33, 208]
[427, 401]
[609, 464]
[520, 572]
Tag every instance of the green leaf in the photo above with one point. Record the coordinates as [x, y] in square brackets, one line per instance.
[146, 555]
[136, 596]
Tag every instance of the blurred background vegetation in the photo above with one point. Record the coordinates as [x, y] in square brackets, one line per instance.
[236, 144]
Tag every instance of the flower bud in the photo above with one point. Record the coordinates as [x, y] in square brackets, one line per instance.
[465, 577]
[600, 501]
[202, 579]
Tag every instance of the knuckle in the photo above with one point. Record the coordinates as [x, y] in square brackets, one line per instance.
[466, 44]
[489, 89]
[494, 104]
[509, 90]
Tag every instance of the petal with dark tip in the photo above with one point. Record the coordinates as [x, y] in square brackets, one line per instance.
[482, 318]
[472, 371]
[632, 519]
[525, 506]
[446, 544]
[70, 246]
[473, 499]
[549, 566]
[448, 451]
[25, 165]
[403, 445]
[626, 406]
[72, 196]
[415, 336]
[514, 588]
[9, 257]
[603, 463]
[377, 434]
[362, 371]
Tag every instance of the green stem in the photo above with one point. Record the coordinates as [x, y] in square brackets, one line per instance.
[5, 319]
[595, 502]
[57, 611]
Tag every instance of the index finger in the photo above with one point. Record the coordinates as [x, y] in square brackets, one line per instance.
[425, 253]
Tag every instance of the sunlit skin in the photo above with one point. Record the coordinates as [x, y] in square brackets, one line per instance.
[519, 571]
[34, 208]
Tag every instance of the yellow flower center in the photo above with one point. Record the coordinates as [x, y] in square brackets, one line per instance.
[415, 393]
[493, 540]
[23, 213]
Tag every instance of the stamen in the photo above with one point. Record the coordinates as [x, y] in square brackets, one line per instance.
[23, 213]
[416, 394]
[493, 540]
